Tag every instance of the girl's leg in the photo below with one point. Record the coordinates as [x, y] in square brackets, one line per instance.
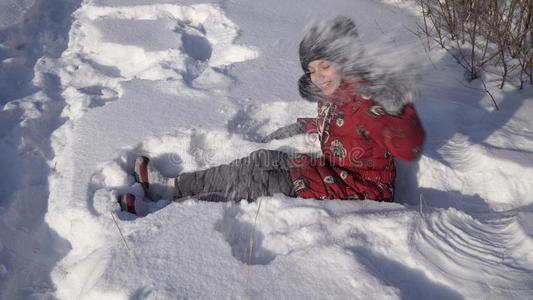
[262, 173]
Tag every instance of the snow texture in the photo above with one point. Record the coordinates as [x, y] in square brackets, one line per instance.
[86, 86]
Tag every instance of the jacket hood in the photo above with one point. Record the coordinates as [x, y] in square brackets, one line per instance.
[337, 40]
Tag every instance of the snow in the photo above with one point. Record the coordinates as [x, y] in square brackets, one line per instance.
[193, 84]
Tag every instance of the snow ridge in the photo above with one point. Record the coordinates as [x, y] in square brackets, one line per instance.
[33, 34]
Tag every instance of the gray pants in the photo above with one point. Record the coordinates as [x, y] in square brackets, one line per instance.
[262, 173]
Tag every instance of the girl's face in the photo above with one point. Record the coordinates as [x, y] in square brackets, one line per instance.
[325, 74]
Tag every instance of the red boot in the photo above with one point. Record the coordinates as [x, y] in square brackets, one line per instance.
[141, 172]
[155, 185]
[127, 203]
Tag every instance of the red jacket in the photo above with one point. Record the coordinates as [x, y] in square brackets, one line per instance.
[358, 141]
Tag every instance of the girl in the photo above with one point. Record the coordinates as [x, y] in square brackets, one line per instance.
[364, 120]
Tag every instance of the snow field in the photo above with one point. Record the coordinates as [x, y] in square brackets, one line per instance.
[194, 85]
[176, 60]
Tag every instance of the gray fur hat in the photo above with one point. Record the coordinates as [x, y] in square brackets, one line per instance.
[337, 40]
[329, 40]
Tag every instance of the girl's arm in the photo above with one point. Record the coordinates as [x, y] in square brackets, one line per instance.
[284, 132]
[309, 125]
[402, 135]
[302, 125]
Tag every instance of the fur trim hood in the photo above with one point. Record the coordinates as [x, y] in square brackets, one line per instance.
[337, 40]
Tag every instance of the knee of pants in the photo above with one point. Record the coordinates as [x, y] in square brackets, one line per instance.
[279, 182]
[268, 159]
[186, 184]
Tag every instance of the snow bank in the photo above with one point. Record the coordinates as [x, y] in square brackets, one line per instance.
[32, 33]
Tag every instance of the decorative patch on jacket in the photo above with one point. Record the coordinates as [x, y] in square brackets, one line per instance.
[324, 137]
[337, 148]
[366, 195]
[300, 184]
[329, 179]
[362, 131]
[340, 120]
[343, 175]
[375, 111]
[325, 112]
[387, 154]
[390, 187]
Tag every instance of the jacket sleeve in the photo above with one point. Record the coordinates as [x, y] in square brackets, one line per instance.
[402, 135]
[309, 125]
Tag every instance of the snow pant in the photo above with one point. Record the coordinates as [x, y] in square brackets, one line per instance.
[262, 173]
